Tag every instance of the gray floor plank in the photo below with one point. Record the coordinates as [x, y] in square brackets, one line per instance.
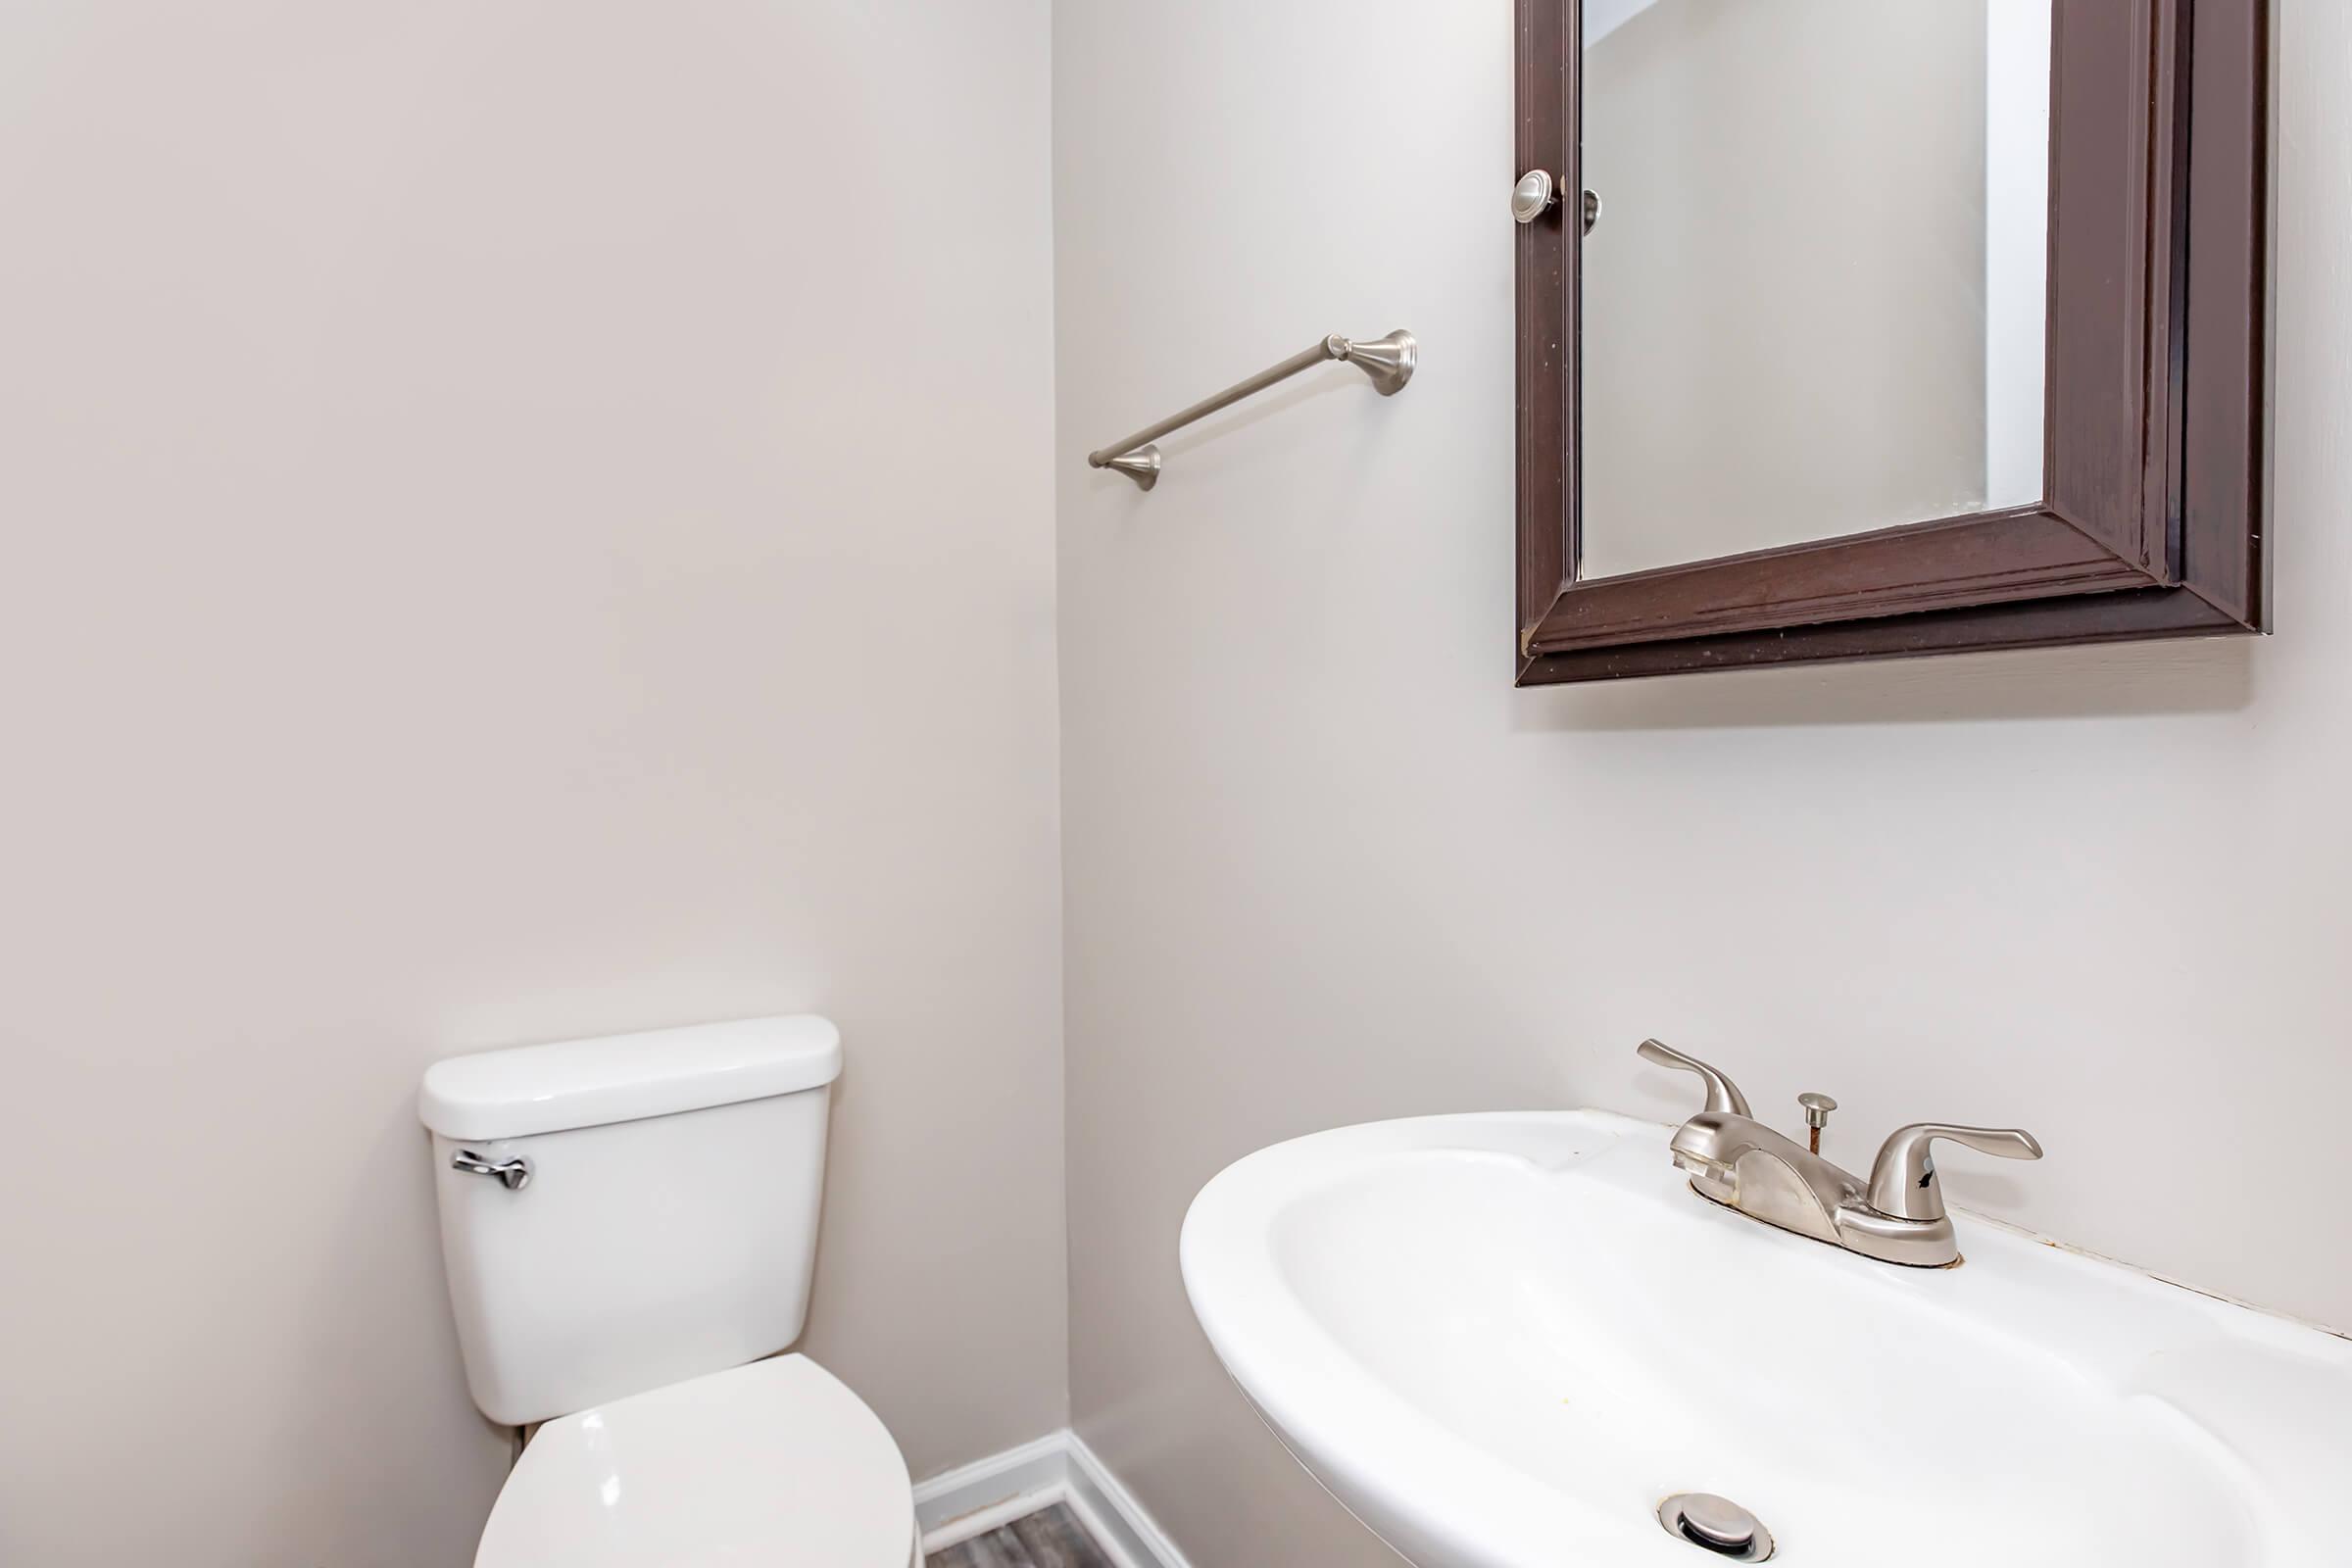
[1053, 1539]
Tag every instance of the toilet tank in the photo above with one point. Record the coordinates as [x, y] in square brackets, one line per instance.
[667, 1225]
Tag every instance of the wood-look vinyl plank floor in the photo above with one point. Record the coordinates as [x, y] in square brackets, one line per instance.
[1053, 1539]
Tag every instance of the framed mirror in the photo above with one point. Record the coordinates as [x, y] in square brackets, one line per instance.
[1886, 327]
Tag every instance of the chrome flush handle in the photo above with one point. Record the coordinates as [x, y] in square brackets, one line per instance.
[515, 1174]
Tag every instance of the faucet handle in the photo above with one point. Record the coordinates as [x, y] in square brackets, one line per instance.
[1902, 1180]
[1723, 1095]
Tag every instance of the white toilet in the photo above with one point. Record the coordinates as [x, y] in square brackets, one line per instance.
[630, 1225]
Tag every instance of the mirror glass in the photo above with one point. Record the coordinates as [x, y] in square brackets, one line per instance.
[1814, 296]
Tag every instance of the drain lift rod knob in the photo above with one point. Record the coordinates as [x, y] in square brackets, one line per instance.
[1817, 1115]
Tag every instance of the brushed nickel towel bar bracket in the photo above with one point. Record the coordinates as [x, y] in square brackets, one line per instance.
[1387, 360]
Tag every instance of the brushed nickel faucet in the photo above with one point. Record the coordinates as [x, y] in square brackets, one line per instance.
[1897, 1216]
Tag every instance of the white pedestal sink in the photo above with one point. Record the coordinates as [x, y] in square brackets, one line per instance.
[1502, 1341]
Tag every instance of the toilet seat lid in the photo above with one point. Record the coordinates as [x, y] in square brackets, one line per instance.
[776, 1463]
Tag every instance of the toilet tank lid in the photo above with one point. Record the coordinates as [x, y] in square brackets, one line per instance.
[587, 1083]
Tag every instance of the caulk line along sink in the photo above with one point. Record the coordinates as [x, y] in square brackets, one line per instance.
[1509, 1340]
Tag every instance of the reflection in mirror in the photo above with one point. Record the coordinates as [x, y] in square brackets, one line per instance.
[1814, 304]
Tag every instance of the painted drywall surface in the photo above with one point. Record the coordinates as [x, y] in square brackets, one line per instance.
[475, 476]
[1323, 865]
[1785, 316]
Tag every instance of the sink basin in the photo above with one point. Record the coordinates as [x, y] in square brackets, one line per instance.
[1503, 1341]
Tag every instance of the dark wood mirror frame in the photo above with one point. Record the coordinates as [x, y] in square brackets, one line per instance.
[2157, 376]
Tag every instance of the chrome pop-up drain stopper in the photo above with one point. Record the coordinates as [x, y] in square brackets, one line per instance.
[1716, 1523]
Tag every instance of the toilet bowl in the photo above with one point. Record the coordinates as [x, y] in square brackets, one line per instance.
[776, 1463]
[629, 1227]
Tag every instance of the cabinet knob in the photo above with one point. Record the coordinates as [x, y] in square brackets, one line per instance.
[1537, 194]
[1533, 196]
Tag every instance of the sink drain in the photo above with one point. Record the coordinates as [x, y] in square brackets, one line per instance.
[1717, 1524]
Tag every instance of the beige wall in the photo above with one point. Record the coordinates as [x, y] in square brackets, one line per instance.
[1783, 331]
[522, 520]
[1317, 873]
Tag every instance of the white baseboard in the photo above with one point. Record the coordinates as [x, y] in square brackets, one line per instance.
[974, 1498]
[1108, 1510]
